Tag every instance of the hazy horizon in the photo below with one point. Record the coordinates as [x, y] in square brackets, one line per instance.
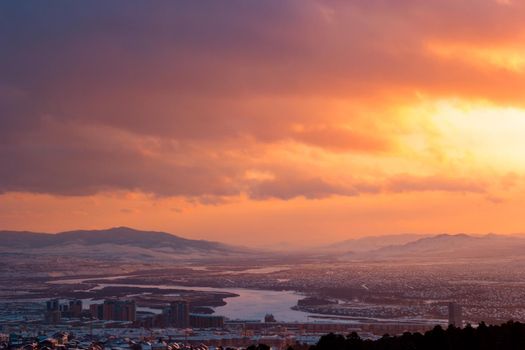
[291, 245]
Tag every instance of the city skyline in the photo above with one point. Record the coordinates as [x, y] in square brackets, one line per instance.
[262, 123]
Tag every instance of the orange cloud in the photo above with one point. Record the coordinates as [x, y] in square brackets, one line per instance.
[197, 107]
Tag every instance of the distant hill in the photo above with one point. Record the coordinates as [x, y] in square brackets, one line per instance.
[128, 243]
[447, 247]
[118, 241]
[368, 243]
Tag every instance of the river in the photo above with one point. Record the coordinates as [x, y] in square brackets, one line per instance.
[251, 304]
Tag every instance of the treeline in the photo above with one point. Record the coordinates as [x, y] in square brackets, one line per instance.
[508, 336]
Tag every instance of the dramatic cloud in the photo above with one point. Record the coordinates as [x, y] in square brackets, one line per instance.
[208, 103]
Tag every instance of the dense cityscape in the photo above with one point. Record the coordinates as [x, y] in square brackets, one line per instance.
[116, 324]
[125, 304]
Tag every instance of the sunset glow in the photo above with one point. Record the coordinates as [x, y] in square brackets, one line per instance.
[310, 121]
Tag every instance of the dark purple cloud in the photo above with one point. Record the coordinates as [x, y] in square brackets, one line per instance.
[83, 85]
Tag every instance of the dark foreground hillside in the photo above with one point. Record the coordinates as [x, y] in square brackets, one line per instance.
[510, 335]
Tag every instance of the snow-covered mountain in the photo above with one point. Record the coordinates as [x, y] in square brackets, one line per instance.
[447, 247]
[117, 242]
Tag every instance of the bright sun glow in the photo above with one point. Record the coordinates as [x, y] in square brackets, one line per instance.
[480, 133]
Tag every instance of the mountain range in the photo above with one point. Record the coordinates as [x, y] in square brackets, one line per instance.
[124, 242]
[369, 243]
[117, 241]
[449, 247]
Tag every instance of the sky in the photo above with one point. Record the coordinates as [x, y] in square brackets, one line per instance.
[270, 122]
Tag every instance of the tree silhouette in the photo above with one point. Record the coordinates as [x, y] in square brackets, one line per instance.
[508, 336]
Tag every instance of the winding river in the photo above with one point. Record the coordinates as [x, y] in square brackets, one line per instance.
[251, 304]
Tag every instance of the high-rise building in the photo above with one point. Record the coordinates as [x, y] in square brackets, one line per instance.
[56, 309]
[454, 315]
[108, 310]
[178, 314]
[75, 308]
[52, 314]
[115, 310]
[53, 305]
[119, 310]
[129, 311]
[97, 311]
